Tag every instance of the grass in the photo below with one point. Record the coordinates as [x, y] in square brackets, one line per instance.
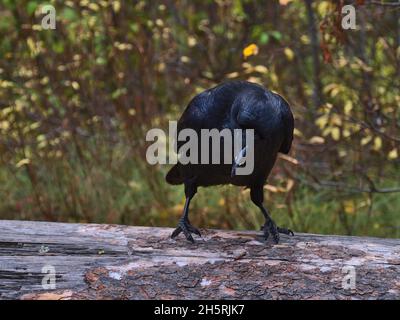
[117, 186]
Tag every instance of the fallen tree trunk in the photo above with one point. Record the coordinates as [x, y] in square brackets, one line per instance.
[41, 260]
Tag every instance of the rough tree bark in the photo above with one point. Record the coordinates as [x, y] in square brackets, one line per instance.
[121, 262]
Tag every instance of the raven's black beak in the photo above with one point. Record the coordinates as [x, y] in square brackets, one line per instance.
[240, 159]
[233, 172]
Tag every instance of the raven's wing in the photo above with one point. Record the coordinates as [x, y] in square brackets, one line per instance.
[288, 125]
[199, 114]
[267, 115]
[174, 175]
[194, 117]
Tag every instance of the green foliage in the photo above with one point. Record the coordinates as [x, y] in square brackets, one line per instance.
[76, 102]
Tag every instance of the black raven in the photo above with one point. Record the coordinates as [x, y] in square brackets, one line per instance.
[235, 105]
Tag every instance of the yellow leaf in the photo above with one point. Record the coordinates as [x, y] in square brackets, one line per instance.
[75, 85]
[191, 41]
[273, 78]
[31, 44]
[6, 110]
[134, 185]
[346, 133]
[327, 131]
[322, 121]
[232, 75]
[22, 162]
[289, 159]
[289, 53]
[289, 185]
[255, 80]
[335, 91]
[116, 6]
[250, 50]
[34, 126]
[4, 125]
[221, 202]
[317, 140]
[271, 188]
[335, 133]
[327, 107]
[348, 107]
[377, 143]
[5, 84]
[93, 6]
[336, 120]
[324, 7]
[261, 69]
[365, 140]
[247, 65]
[40, 138]
[297, 132]
[393, 154]
[349, 207]
[185, 59]
[342, 62]
[305, 39]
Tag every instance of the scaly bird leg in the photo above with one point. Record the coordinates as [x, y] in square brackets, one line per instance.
[184, 223]
[269, 228]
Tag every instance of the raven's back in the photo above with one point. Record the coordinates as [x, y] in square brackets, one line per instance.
[237, 105]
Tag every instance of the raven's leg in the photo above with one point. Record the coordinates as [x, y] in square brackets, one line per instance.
[257, 196]
[184, 224]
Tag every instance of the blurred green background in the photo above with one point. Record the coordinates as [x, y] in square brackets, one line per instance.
[76, 103]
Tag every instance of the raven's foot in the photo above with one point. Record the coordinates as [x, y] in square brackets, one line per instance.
[285, 231]
[187, 229]
[270, 228]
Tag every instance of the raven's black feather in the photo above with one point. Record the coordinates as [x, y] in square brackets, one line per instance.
[237, 104]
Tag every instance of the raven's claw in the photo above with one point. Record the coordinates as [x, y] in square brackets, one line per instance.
[285, 231]
[271, 228]
[185, 227]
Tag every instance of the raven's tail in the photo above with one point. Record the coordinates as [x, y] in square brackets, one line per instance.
[174, 175]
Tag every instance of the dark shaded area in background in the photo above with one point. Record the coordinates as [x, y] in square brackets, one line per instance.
[76, 103]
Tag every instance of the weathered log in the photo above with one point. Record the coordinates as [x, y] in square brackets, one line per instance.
[121, 262]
